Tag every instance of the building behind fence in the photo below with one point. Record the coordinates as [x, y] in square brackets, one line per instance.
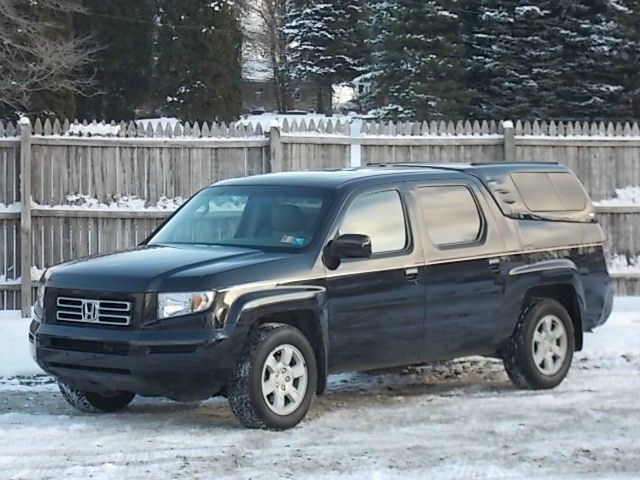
[63, 163]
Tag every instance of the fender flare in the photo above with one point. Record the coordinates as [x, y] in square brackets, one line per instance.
[248, 308]
[558, 272]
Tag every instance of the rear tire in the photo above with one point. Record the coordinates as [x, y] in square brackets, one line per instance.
[92, 402]
[274, 382]
[540, 351]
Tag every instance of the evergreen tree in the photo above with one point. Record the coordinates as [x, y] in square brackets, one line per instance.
[326, 43]
[198, 55]
[628, 12]
[418, 69]
[123, 31]
[512, 60]
[548, 59]
[591, 61]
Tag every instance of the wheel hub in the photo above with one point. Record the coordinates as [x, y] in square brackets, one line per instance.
[284, 379]
[549, 345]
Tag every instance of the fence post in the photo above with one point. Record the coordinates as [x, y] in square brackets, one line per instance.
[509, 141]
[355, 131]
[25, 216]
[276, 148]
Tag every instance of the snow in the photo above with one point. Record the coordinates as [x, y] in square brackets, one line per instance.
[11, 208]
[257, 69]
[118, 203]
[9, 281]
[36, 274]
[103, 129]
[622, 264]
[624, 197]
[15, 358]
[94, 129]
[455, 420]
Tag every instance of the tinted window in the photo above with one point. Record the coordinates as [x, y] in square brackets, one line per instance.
[570, 190]
[550, 192]
[253, 216]
[451, 214]
[380, 216]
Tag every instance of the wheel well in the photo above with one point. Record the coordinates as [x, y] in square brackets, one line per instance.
[566, 295]
[305, 321]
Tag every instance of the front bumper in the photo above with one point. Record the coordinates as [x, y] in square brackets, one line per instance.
[185, 365]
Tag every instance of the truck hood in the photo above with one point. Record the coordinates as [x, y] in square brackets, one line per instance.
[150, 268]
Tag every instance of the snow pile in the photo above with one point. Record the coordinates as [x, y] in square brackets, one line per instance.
[78, 201]
[624, 197]
[9, 281]
[11, 208]
[36, 274]
[15, 357]
[621, 264]
[94, 130]
[103, 129]
[619, 338]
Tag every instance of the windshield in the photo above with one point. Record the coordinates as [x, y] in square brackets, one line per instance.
[268, 217]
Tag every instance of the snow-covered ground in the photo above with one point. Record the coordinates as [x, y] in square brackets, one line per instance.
[460, 419]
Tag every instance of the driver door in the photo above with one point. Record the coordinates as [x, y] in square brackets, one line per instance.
[376, 305]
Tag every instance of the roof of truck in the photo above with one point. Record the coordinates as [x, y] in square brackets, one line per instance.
[386, 171]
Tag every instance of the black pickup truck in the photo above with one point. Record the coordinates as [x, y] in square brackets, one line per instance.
[257, 288]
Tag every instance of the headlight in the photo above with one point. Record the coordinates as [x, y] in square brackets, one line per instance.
[40, 294]
[180, 303]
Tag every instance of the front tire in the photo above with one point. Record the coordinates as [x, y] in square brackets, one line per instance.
[274, 382]
[540, 351]
[91, 402]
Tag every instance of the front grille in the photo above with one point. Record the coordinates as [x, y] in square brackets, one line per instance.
[101, 312]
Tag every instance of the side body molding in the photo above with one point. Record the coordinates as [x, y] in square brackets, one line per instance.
[543, 266]
[248, 307]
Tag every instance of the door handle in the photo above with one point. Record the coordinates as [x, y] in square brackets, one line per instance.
[411, 274]
[494, 265]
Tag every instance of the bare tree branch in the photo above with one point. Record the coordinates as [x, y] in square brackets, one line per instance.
[36, 55]
[265, 38]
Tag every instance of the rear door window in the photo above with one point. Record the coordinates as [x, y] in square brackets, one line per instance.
[451, 215]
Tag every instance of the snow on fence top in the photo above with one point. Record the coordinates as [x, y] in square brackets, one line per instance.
[172, 128]
[146, 128]
[526, 128]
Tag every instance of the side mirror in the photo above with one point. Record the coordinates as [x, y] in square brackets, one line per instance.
[351, 246]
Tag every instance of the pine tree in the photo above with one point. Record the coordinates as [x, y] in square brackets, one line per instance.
[592, 63]
[512, 59]
[417, 59]
[198, 53]
[123, 31]
[628, 13]
[548, 59]
[326, 43]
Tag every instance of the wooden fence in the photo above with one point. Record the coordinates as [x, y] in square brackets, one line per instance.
[103, 163]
